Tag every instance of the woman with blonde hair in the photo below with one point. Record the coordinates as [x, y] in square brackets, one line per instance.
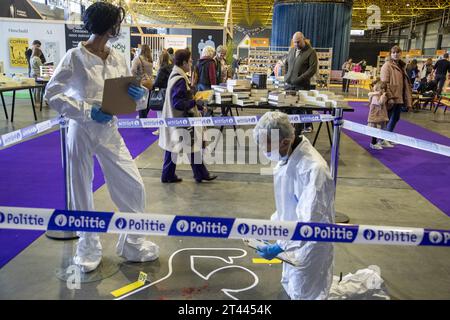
[142, 67]
[204, 75]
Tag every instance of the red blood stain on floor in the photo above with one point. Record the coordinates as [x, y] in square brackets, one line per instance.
[189, 291]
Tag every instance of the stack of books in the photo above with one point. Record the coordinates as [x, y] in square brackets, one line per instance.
[242, 98]
[220, 87]
[258, 94]
[238, 85]
[313, 98]
[221, 94]
[222, 97]
[282, 99]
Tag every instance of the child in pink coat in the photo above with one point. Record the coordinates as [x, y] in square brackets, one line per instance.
[378, 114]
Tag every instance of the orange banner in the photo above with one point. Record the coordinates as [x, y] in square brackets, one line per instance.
[440, 52]
[384, 53]
[259, 42]
[415, 53]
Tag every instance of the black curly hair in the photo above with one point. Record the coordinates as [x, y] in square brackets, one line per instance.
[101, 17]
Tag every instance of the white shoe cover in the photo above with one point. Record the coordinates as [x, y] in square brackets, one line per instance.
[136, 248]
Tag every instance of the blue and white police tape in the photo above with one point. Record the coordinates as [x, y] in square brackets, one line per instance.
[398, 138]
[27, 132]
[216, 227]
[213, 121]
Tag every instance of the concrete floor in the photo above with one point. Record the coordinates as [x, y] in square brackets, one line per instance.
[368, 192]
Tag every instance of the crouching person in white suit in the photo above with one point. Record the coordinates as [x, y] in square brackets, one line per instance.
[304, 192]
[75, 91]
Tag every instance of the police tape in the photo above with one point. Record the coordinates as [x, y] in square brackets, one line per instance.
[398, 138]
[33, 130]
[216, 227]
[27, 132]
[213, 121]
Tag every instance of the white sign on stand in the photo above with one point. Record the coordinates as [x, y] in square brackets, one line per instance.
[175, 42]
[123, 43]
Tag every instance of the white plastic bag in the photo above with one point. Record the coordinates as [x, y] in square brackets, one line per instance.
[364, 284]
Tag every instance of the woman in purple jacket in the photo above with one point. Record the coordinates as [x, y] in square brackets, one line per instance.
[180, 104]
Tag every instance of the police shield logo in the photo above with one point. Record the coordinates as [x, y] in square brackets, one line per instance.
[243, 228]
[435, 237]
[182, 226]
[369, 234]
[306, 231]
[121, 223]
[60, 220]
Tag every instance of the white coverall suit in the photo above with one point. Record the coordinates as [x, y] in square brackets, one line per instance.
[76, 85]
[304, 192]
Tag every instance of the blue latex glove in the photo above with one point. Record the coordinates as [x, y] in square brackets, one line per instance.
[270, 251]
[136, 92]
[98, 115]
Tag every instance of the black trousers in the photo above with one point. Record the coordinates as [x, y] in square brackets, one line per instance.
[345, 84]
[440, 79]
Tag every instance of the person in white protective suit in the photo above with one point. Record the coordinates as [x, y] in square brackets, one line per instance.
[304, 192]
[75, 91]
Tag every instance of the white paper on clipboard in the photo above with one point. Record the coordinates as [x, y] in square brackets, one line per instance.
[284, 256]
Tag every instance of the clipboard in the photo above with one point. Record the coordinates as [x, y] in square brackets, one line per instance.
[284, 256]
[115, 99]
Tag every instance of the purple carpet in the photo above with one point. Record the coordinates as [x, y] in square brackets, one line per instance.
[426, 172]
[31, 176]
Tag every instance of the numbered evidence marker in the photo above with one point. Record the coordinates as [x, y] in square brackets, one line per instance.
[132, 286]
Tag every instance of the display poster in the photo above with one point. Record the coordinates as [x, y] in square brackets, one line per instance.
[74, 34]
[51, 51]
[204, 37]
[50, 34]
[17, 48]
[122, 43]
[175, 42]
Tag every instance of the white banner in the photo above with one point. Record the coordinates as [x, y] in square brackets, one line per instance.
[175, 42]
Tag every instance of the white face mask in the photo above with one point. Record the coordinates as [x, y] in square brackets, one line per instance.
[274, 155]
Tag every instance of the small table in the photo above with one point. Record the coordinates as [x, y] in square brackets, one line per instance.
[356, 76]
[444, 99]
[18, 88]
[228, 110]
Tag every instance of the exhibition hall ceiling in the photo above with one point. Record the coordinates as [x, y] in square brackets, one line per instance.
[258, 13]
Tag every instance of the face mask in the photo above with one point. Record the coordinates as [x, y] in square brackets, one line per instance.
[275, 156]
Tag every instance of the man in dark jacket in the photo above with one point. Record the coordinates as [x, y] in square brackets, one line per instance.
[301, 65]
[440, 69]
[36, 43]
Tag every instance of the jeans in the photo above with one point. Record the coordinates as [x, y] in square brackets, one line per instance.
[394, 116]
[440, 79]
[345, 85]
